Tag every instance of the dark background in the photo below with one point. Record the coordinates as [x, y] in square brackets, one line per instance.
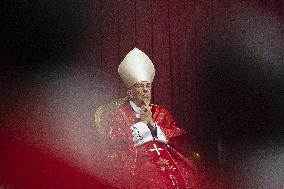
[219, 70]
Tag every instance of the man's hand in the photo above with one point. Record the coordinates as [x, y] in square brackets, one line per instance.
[146, 117]
[146, 114]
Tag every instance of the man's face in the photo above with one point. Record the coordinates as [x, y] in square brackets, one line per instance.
[141, 92]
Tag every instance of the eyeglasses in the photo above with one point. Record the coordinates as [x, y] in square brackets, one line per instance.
[142, 85]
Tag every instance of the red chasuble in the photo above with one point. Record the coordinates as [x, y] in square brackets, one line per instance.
[150, 165]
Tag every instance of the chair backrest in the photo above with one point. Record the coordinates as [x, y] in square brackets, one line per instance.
[103, 111]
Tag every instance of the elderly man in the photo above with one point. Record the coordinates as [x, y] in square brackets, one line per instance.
[141, 138]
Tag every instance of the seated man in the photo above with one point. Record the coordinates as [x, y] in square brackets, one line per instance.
[141, 139]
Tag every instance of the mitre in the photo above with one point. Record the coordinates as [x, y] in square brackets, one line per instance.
[136, 67]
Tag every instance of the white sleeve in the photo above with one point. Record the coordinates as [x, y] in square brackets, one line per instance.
[161, 137]
[141, 133]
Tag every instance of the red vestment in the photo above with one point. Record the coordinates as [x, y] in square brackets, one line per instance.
[150, 165]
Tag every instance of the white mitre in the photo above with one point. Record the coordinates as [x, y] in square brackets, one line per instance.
[136, 67]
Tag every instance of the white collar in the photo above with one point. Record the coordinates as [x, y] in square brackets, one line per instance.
[136, 109]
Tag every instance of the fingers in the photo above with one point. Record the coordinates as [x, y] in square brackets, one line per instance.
[146, 114]
[146, 102]
[146, 108]
[143, 108]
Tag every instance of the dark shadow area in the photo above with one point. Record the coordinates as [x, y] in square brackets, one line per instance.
[242, 107]
[37, 39]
